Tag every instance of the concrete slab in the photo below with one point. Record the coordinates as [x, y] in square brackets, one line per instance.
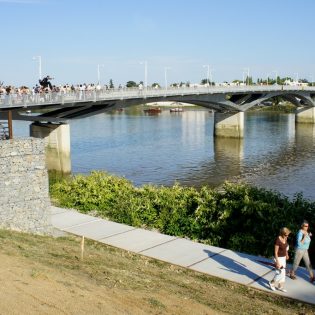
[56, 210]
[238, 267]
[182, 252]
[97, 230]
[137, 240]
[69, 219]
[300, 289]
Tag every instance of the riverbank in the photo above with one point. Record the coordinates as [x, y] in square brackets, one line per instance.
[46, 275]
[277, 107]
[281, 107]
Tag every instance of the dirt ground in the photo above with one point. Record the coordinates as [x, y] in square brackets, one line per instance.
[42, 275]
[28, 288]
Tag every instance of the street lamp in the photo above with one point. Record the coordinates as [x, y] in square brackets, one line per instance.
[39, 58]
[99, 73]
[297, 77]
[145, 73]
[165, 76]
[247, 79]
[208, 73]
[276, 73]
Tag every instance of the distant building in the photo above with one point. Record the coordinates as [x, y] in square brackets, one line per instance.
[295, 83]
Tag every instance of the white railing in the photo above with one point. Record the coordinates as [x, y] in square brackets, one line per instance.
[18, 100]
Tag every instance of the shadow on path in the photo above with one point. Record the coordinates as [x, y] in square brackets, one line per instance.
[236, 267]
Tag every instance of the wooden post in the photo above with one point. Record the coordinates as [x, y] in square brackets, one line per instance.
[10, 124]
[82, 247]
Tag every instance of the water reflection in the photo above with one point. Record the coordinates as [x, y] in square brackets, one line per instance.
[304, 136]
[228, 155]
[288, 159]
[193, 126]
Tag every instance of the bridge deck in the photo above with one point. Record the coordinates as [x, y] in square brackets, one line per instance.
[60, 106]
[40, 99]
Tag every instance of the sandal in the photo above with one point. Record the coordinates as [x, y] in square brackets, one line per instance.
[293, 277]
[312, 279]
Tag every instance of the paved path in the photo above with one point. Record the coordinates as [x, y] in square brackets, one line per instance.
[219, 262]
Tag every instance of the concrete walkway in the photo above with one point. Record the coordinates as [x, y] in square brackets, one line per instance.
[219, 262]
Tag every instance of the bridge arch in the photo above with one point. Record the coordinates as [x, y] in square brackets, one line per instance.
[299, 99]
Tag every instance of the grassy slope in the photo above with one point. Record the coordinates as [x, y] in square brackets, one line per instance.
[46, 275]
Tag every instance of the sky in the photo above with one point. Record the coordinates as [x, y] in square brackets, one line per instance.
[74, 38]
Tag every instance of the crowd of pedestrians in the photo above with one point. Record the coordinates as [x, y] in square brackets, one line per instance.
[45, 90]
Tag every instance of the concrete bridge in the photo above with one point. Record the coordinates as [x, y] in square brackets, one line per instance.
[51, 111]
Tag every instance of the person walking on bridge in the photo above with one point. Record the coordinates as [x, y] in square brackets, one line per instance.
[303, 240]
[281, 256]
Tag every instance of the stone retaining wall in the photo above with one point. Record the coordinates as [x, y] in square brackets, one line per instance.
[24, 192]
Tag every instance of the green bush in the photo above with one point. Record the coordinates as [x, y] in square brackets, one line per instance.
[238, 216]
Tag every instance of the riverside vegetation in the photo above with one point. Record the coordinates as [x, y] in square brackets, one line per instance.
[235, 216]
[278, 106]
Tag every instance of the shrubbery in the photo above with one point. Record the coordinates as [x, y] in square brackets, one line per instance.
[238, 216]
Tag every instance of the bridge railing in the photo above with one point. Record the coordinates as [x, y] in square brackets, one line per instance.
[24, 100]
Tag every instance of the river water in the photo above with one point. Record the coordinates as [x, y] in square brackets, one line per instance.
[161, 149]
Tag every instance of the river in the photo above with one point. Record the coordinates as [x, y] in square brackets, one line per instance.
[161, 149]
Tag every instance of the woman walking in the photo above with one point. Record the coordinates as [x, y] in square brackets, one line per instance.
[303, 240]
[281, 256]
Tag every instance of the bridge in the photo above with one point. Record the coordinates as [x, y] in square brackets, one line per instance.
[50, 112]
[60, 106]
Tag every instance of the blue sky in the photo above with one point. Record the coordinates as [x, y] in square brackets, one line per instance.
[74, 36]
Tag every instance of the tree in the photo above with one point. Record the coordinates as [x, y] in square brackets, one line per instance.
[206, 81]
[131, 84]
[155, 85]
[111, 84]
[303, 81]
[249, 80]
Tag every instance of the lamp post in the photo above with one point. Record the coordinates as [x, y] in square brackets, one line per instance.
[297, 77]
[99, 73]
[39, 58]
[145, 73]
[210, 76]
[208, 73]
[165, 76]
[247, 79]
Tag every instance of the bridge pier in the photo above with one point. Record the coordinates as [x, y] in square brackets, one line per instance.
[229, 125]
[57, 144]
[305, 115]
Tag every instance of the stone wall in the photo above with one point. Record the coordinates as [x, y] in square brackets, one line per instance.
[24, 192]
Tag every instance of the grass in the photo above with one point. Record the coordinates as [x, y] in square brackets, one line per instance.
[163, 288]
